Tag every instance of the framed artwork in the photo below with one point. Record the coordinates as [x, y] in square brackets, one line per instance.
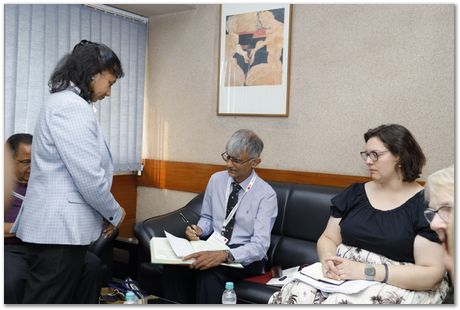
[254, 59]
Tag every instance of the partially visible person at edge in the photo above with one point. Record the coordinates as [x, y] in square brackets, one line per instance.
[15, 252]
[8, 176]
[246, 225]
[68, 199]
[377, 232]
[440, 195]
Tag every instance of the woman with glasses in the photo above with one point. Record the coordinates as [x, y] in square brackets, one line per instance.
[377, 232]
[440, 195]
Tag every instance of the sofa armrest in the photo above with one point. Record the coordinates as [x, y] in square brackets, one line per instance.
[103, 244]
[171, 222]
[103, 248]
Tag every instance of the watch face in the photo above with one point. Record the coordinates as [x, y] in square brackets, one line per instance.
[369, 271]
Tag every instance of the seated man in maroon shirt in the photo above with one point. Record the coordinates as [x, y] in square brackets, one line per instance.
[16, 268]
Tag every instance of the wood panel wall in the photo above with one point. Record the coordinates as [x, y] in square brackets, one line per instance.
[124, 189]
[193, 177]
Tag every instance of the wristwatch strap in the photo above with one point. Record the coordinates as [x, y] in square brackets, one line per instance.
[230, 258]
[385, 279]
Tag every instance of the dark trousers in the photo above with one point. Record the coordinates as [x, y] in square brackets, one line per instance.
[17, 271]
[89, 286]
[54, 273]
[187, 286]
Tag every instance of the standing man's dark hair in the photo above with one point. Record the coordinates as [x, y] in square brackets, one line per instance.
[17, 139]
[80, 66]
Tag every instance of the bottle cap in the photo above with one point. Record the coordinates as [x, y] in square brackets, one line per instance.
[229, 286]
[129, 295]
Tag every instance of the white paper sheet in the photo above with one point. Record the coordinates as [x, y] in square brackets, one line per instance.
[315, 271]
[180, 246]
[348, 287]
[288, 275]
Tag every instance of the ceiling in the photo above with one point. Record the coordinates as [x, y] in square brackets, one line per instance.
[153, 9]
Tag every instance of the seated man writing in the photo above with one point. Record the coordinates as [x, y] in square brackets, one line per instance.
[241, 207]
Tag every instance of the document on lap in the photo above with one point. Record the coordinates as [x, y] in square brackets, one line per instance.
[288, 275]
[172, 249]
[315, 272]
[346, 287]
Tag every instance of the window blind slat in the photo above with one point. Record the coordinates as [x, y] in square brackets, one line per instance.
[37, 36]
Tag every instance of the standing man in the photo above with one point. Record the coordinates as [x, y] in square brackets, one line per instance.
[242, 208]
[16, 267]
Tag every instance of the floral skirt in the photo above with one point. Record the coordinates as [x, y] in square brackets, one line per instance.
[298, 292]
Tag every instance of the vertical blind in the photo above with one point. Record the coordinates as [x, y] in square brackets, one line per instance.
[38, 35]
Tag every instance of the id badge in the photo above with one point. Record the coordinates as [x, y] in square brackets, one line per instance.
[219, 237]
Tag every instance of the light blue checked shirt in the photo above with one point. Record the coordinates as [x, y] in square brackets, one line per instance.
[254, 219]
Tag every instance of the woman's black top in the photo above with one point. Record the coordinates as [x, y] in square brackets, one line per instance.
[389, 233]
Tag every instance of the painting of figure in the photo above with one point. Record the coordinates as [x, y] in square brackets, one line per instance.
[254, 48]
[253, 60]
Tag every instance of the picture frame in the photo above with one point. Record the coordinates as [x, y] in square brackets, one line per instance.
[254, 59]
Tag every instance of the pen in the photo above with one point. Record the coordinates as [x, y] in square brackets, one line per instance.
[186, 221]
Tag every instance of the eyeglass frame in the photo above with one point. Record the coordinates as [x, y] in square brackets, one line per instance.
[430, 211]
[365, 155]
[234, 160]
[24, 162]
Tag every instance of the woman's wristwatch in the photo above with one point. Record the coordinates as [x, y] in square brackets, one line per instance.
[369, 272]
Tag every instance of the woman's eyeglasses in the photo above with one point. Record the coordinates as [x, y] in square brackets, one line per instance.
[443, 212]
[373, 155]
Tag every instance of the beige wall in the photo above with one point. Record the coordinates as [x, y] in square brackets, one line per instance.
[353, 67]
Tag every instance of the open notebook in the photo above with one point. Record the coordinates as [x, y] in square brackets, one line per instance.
[172, 249]
[315, 272]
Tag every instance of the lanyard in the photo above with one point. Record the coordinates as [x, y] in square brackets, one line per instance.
[227, 194]
[17, 195]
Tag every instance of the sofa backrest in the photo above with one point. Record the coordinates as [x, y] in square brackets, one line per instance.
[303, 212]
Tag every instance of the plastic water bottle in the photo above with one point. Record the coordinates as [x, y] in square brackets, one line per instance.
[130, 298]
[229, 295]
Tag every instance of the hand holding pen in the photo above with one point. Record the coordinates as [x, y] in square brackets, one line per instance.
[192, 232]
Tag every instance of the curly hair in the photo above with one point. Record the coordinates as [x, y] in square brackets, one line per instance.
[86, 59]
[400, 142]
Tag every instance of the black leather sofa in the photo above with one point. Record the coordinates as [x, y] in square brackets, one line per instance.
[303, 212]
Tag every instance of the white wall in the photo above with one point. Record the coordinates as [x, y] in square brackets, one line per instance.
[353, 67]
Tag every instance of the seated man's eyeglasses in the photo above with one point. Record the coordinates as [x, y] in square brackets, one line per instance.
[443, 212]
[234, 160]
[24, 162]
[374, 156]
